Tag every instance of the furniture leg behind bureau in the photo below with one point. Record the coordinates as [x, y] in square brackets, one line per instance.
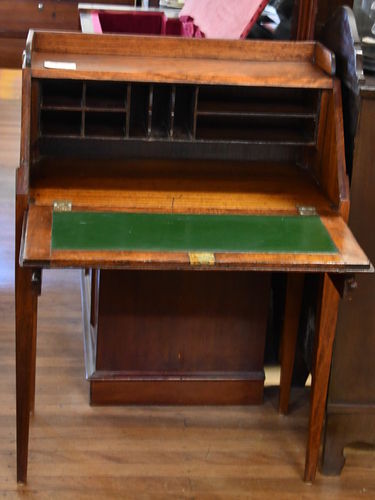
[351, 400]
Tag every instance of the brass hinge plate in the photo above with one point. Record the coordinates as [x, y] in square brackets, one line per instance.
[201, 259]
[62, 206]
[302, 210]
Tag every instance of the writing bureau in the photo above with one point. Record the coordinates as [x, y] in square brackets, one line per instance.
[179, 155]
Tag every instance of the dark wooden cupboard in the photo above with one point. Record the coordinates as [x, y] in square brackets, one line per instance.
[351, 399]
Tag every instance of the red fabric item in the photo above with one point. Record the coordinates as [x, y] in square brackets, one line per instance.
[141, 23]
[220, 18]
[173, 27]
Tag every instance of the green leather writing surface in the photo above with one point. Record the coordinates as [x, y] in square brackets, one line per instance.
[191, 233]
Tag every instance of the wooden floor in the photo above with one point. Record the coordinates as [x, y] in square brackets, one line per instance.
[143, 452]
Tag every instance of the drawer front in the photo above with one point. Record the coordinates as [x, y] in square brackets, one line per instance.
[18, 16]
[11, 52]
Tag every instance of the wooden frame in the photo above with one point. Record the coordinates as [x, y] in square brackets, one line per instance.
[258, 174]
[350, 412]
[306, 19]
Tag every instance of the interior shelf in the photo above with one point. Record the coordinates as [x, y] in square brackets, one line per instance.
[264, 115]
[61, 93]
[161, 111]
[184, 112]
[106, 95]
[61, 123]
[240, 100]
[104, 124]
[287, 110]
[243, 128]
[139, 106]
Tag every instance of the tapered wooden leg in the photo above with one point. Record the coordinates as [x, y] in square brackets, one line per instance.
[294, 293]
[26, 311]
[27, 288]
[33, 364]
[324, 337]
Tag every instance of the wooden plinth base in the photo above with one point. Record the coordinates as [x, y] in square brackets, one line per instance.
[172, 392]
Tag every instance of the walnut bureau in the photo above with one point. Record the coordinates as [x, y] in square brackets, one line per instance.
[159, 155]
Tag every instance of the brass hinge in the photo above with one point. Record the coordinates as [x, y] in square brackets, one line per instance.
[62, 206]
[36, 281]
[201, 259]
[302, 210]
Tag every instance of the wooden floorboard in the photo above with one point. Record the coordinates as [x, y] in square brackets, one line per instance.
[142, 452]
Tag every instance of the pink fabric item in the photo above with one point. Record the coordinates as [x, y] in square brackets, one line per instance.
[222, 18]
[188, 28]
[96, 23]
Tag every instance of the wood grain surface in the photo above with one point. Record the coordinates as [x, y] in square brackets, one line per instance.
[180, 70]
[180, 60]
[137, 452]
[292, 313]
[177, 186]
[325, 334]
[255, 50]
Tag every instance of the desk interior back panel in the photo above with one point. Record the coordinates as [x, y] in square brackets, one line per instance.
[222, 331]
[170, 186]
